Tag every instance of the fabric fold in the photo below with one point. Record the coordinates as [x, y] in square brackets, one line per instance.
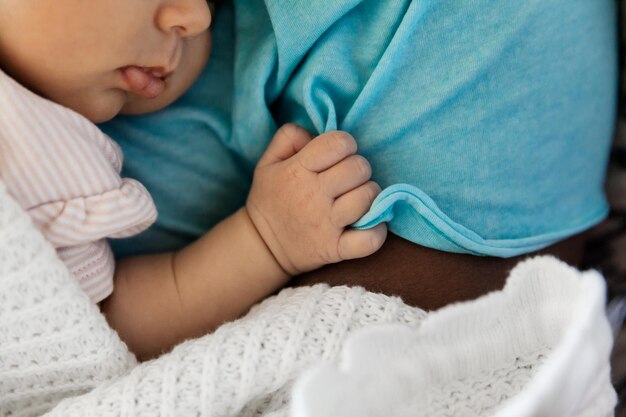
[402, 205]
[539, 347]
[115, 213]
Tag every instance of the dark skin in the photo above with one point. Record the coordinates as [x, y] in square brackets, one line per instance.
[427, 278]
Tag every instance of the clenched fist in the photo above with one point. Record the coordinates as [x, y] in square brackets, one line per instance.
[305, 192]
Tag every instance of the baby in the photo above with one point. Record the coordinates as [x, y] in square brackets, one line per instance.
[67, 64]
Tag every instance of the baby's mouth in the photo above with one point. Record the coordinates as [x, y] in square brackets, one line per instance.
[148, 82]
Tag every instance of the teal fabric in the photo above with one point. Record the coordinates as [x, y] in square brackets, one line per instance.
[179, 156]
[487, 121]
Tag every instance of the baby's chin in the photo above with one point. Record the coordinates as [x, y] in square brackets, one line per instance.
[100, 107]
[102, 110]
[136, 105]
[105, 106]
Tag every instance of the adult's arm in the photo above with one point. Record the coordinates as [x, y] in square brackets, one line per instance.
[429, 278]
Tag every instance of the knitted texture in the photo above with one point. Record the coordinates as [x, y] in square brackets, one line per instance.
[246, 368]
[53, 341]
[537, 348]
[469, 359]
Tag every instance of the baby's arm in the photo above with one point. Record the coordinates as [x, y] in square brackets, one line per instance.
[304, 194]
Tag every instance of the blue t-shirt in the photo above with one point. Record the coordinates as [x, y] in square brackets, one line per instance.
[487, 122]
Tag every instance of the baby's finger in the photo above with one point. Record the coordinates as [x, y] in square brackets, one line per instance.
[360, 243]
[345, 176]
[326, 150]
[287, 141]
[351, 206]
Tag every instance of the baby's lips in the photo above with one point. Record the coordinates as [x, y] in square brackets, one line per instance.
[142, 83]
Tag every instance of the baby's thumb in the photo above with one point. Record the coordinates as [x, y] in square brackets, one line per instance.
[287, 142]
[355, 243]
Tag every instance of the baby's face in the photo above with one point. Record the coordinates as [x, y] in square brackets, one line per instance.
[104, 57]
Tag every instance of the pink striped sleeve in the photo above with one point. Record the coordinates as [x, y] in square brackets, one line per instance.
[66, 174]
[92, 264]
[117, 213]
[65, 171]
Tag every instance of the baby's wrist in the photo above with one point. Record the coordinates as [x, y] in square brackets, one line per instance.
[264, 251]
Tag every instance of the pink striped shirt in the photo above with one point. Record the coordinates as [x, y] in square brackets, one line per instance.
[66, 173]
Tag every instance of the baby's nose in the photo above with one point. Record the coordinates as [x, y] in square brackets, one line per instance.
[188, 17]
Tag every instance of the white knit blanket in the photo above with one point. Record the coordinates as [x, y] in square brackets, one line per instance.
[540, 347]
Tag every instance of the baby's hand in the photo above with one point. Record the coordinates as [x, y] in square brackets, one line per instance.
[305, 192]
